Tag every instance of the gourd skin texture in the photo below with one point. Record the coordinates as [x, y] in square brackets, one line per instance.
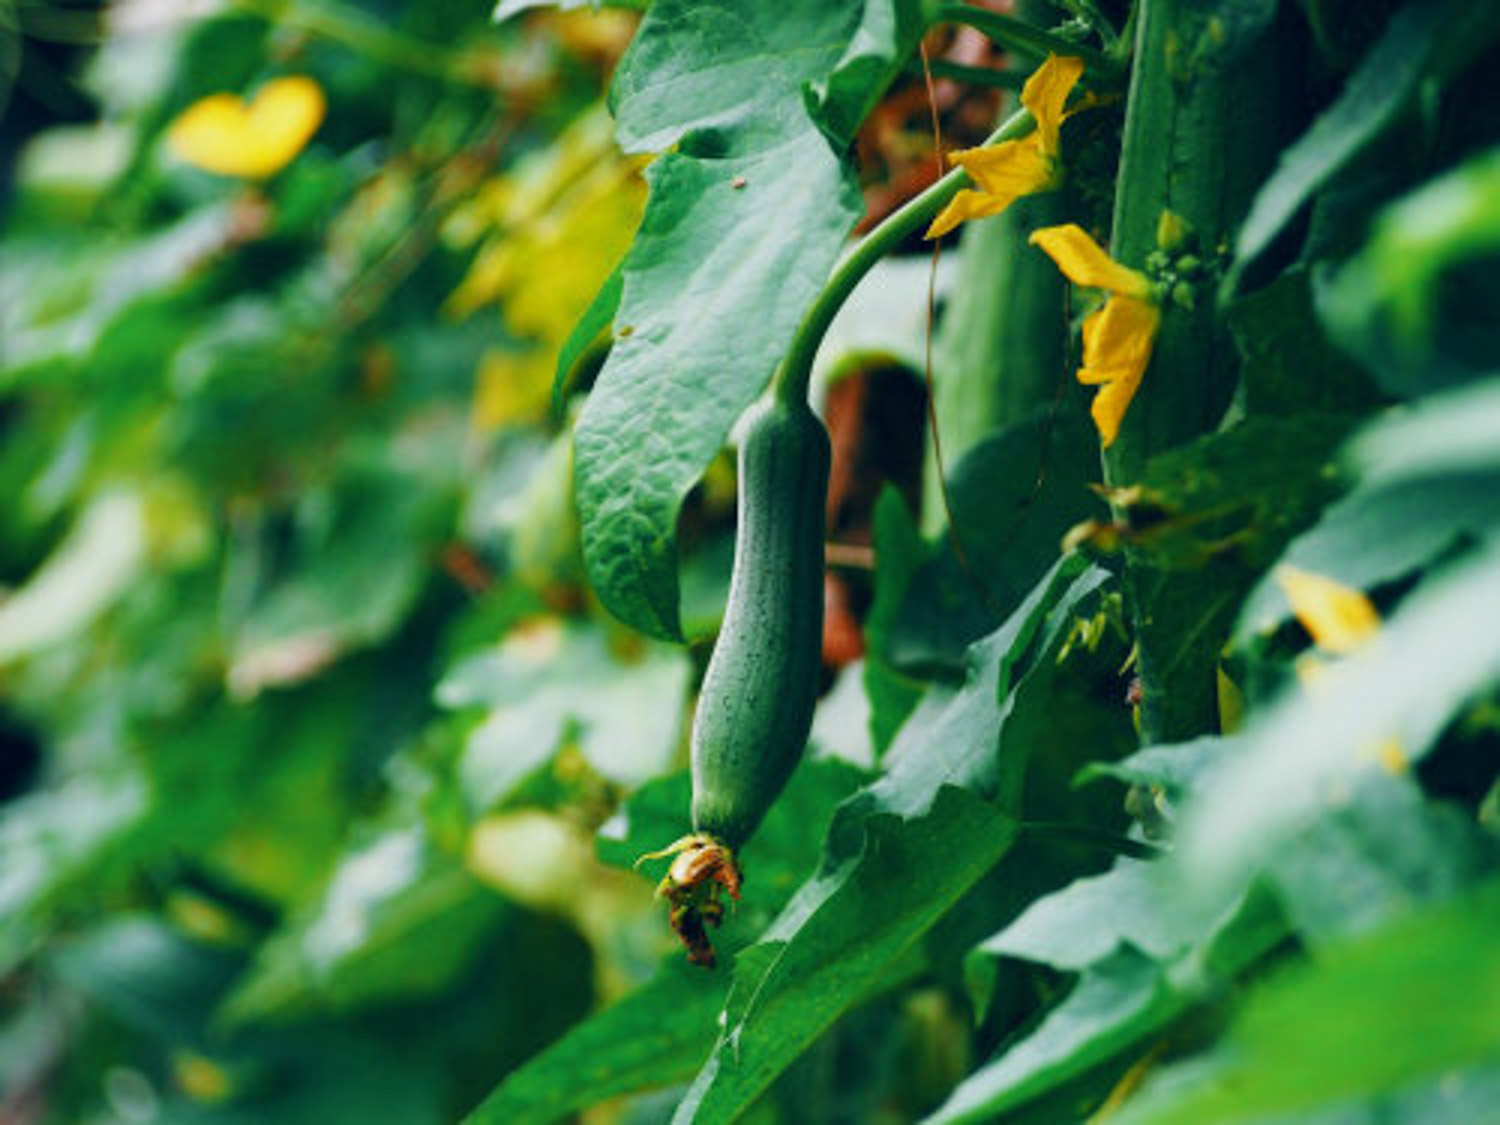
[755, 708]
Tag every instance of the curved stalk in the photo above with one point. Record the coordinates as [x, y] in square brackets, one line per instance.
[1018, 35]
[796, 369]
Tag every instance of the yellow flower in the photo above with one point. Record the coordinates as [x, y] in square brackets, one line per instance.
[1117, 339]
[224, 134]
[1011, 169]
[1337, 618]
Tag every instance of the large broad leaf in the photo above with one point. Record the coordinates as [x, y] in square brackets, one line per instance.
[1113, 1004]
[899, 854]
[745, 218]
[1422, 39]
[1414, 1001]
[1380, 851]
[1448, 433]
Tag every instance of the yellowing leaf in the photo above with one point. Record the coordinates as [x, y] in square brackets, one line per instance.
[255, 139]
[512, 387]
[1337, 618]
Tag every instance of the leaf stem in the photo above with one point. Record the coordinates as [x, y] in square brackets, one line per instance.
[796, 369]
[1021, 36]
[974, 75]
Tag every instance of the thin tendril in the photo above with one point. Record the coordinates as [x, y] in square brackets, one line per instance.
[959, 553]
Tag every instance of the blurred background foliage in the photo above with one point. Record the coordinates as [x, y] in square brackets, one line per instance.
[322, 772]
[306, 718]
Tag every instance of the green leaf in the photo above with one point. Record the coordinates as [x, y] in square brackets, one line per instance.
[886, 36]
[743, 224]
[102, 557]
[590, 329]
[1090, 919]
[1421, 40]
[624, 709]
[1013, 496]
[398, 919]
[1178, 768]
[1114, 1003]
[1378, 534]
[1408, 1003]
[1416, 302]
[655, 1036]
[710, 302]
[1383, 852]
[717, 78]
[1427, 483]
[148, 975]
[1280, 340]
[1441, 434]
[1143, 962]
[56, 836]
[899, 854]
[1392, 696]
[508, 9]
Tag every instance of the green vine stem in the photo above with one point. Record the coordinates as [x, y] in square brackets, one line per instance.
[796, 369]
[1020, 36]
[1201, 128]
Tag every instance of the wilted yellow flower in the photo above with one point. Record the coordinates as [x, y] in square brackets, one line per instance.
[1011, 169]
[1337, 618]
[1117, 339]
[224, 134]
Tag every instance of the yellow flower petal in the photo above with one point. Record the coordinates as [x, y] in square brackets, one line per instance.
[1084, 262]
[1045, 94]
[223, 134]
[1012, 168]
[1120, 335]
[1109, 406]
[1338, 618]
[967, 205]
[1117, 340]
[1117, 343]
